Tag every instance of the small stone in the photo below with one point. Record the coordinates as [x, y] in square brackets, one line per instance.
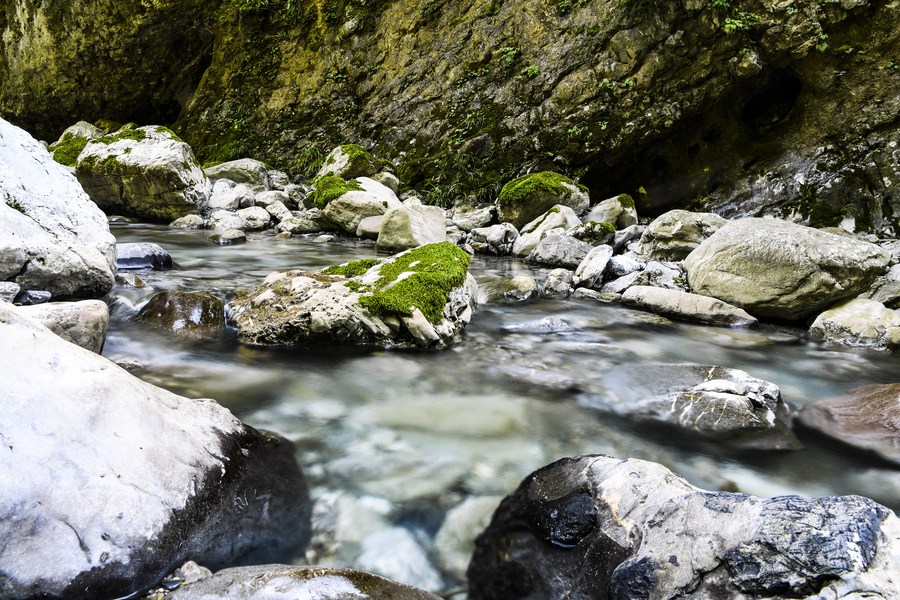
[228, 237]
[188, 222]
[142, 255]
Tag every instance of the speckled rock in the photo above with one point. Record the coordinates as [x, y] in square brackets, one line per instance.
[859, 322]
[604, 528]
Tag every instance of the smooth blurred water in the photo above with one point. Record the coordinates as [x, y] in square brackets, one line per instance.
[427, 430]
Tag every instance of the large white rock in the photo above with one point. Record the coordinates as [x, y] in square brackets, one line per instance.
[52, 237]
[773, 268]
[859, 322]
[412, 226]
[146, 172]
[589, 272]
[109, 483]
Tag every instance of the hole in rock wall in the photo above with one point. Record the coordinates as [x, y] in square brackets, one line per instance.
[772, 102]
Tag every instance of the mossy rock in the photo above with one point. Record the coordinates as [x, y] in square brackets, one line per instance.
[330, 187]
[348, 161]
[527, 197]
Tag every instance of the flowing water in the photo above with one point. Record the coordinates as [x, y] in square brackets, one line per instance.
[408, 436]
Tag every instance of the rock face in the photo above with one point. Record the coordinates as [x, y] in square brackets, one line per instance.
[859, 322]
[420, 298]
[186, 314]
[773, 268]
[159, 479]
[866, 418]
[267, 582]
[146, 172]
[602, 528]
[727, 405]
[52, 237]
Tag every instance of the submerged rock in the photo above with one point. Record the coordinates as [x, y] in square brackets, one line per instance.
[609, 529]
[187, 314]
[867, 418]
[52, 237]
[723, 404]
[773, 268]
[144, 172]
[126, 481]
[267, 582]
[420, 298]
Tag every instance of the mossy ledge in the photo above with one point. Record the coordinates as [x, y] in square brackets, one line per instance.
[330, 187]
[420, 278]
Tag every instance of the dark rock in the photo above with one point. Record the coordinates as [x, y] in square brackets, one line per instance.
[142, 255]
[187, 314]
[126, 481]
[266, 582]
[867, 418]
[642, 532]
[32, 297]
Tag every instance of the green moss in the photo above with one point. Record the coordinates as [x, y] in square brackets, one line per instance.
[126, 133]
[329, 187]
[436, 269]
[66, 151]
[211, 163]
[354, 151]
[518, 190]
[626, 201]
[166, 130]
[353, 268]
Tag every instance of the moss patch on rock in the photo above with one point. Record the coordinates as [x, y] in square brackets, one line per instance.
[354, 268]
[330, 187]
[421, 278]
[626, 200]
[126, 133]
[519, 189]
[66, 151]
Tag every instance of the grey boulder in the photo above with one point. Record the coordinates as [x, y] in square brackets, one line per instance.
[142, 255]
[859, 322]
[83, 323]
[110, 482]
[676, 304]
[186, 314]
[675, 234]
[608, 529]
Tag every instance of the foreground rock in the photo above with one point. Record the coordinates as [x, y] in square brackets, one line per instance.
[773, 268]
[676, 304]
[608, 529]
[867, 418]
[52, 237]
[82, 323]
[859, 322]
[727, 405]
[266, 582]
[144, 172]
[420, 298]
[127, 481]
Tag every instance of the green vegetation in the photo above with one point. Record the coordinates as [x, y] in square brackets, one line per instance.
[329, 187]
[66, 151]
[354, 268]
[626, 200]
[436, 269]
[529, 72]
[126, 133]
[595, 232]
[169, 132]
[518, 190]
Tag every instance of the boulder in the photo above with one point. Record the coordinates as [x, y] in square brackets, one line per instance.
[498, 240]
[189, 222]
[656, 274]
[255, 218]
[676, 304]
[52, 237]
[618, 212]
[308, 221]
[467, 220]
[9, 290]
[675, 234]
[186, 314]
[126, 481]
[222, 220]
[83, 323]
[859, 322]
[246, 171]
[886, 288]
[66, 149]
[228, 237]
[727, 405]
[348, 162]
[419, 298]
[350, 207]
[604, 528]
[559, 250]
[278, 180]
[595, 233]
[558, 284]
[773, 268]
[278, 211]
[867, 418]
[266, 199]
[527, 197]
[143, 172]
[230, 196]
[558, 217]
[268, 582]
[142, 255]
[388, 179]
[589, 271]
[625, 238]
[369, 228]
[410, 226]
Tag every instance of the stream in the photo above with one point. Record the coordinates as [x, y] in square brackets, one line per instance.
[405, 437]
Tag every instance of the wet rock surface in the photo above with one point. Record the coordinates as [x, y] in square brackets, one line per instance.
[144, 255]
[599, 527]
[158, 479]
[189, 314]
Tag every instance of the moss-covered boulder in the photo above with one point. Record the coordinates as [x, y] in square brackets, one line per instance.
[145, 172]
[528, 197]
[346, 203]
[66, 149]
[348, 161]
[421, 298]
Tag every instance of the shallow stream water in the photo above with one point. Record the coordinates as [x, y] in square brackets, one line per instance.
[404, 437]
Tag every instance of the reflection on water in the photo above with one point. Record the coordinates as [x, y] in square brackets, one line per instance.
[474, 420]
